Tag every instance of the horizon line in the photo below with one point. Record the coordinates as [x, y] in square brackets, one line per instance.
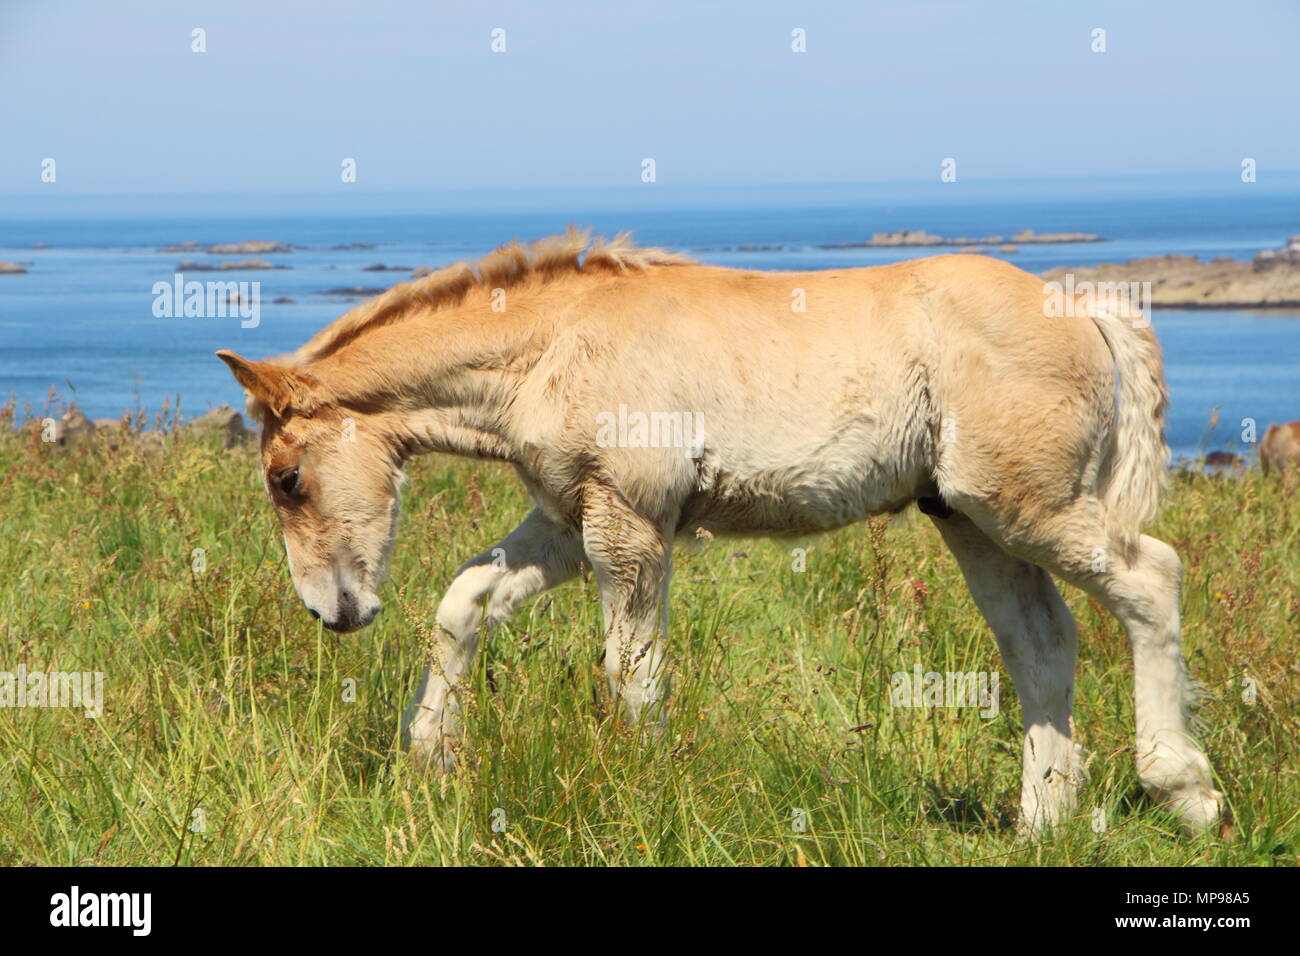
[37, 191]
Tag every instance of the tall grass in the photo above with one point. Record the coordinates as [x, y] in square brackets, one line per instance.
[237, 732]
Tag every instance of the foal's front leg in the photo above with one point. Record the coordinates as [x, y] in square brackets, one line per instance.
[631, 557]
[537, 555]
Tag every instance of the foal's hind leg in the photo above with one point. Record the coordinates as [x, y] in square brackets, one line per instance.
[1038, 640]
[537, 555]
[1142, 591]
[1143, 594]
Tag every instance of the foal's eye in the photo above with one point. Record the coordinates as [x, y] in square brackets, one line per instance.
[288, 480]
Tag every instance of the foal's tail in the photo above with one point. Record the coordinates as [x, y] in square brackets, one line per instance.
[1135, 472]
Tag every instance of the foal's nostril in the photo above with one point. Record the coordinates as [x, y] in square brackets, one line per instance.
[314, 613]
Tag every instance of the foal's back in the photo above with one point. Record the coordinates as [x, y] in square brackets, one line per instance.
[825, 395]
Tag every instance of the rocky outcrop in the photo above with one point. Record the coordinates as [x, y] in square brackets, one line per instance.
[255, 247]
[354, 291]
[1288, 255]
[1221, 459]
[907, 238]
[1271, 280]
[223, 421]
[11, 268]
[190, 265]
[1027, 237]
[904, 237]
[73, 428]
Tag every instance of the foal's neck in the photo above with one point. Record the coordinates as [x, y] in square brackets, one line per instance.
[444, 383]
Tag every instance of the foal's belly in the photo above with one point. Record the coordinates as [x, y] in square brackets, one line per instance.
[797, 500]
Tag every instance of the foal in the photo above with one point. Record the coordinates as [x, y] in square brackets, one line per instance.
[1034, 442]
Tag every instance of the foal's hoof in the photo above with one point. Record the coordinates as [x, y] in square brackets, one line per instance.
[1039, 827]
[431, 749]
[1199, 811]
[432, 756]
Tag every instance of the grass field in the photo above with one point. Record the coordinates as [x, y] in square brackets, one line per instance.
[237, 732]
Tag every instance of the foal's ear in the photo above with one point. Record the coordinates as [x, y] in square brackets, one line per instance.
[280, 389]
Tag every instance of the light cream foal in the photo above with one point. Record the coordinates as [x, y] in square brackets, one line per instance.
[639, 395]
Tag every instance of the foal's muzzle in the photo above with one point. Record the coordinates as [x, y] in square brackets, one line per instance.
[352, 619]
[351, 613]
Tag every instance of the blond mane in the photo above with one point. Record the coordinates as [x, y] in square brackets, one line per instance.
[508, 265]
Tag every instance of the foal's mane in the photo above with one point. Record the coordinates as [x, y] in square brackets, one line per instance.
[509, 265]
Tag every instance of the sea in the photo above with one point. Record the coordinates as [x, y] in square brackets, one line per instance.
[82, 324]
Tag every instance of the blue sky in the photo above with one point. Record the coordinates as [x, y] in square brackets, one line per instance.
[585, 91]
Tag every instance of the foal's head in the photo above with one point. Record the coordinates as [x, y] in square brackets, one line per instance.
[333, 480]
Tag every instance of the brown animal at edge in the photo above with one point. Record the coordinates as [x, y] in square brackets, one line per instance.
[1280, 449]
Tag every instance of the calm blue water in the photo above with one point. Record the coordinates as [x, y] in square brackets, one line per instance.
[82, 321]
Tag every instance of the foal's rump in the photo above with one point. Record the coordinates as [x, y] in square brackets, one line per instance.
[1051, 409]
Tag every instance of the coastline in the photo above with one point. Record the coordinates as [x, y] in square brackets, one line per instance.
[1172, 281]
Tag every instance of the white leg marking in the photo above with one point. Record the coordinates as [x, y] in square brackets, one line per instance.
[537, 555]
